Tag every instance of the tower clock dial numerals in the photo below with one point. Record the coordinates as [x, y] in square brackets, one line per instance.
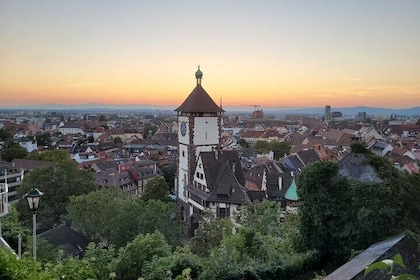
[183, 128]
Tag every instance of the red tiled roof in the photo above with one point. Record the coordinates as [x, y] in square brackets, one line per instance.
[199, 102]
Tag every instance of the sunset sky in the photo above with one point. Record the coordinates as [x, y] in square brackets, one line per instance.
[268, 53]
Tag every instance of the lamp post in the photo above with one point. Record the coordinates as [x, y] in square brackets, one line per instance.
[33, 197]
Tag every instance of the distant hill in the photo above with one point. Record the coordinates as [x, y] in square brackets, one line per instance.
[95, 107]
[350, 111]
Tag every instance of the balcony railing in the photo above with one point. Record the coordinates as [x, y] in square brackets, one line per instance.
[3, 199]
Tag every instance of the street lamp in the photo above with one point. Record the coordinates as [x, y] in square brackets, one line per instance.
[33, 197]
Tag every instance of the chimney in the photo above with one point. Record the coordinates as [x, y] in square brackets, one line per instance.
[233, 166]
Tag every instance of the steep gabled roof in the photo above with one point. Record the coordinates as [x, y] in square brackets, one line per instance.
[224, 177]
[199, 102]
[308, 156]
[227, 187]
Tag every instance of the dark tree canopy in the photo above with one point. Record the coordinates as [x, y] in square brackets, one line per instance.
[58, 183]
[322, 208]
[339, 215]
[44, 140]
[118, 140]
[13, 151]
[108, 215]
[51, 155]
[261, 146]
[242, 142]
[156, 188]
[279, 148]
[134, 257]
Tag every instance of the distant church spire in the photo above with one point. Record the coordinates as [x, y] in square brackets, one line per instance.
[198, 75]
[221, 104]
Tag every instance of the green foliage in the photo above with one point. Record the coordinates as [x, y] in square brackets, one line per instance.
[210, 233]
[58, 183]
[51, 155]
[12, 150]
[112, 216]
[12, 268]
[156, 188]
[169, 172]
[70, 268]
[388, 266]
[90, 139]
[118, 140]
[261, 146]
[242, 142]
[180, 265]
[358, 147]
[263, 216]
[149, 129]
[322, 210]
[338, 216]
[44, 140]
[5, 134]
[96, 213]
[11, 227]
[279, 148]
[46, 252]
[102, 259]
[134, 257]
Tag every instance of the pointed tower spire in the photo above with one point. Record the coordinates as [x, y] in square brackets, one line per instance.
[198, 75]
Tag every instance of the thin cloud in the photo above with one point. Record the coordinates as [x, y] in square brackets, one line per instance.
[352, 78]
[82, 85]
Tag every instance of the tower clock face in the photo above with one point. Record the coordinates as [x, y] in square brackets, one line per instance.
[183, 128]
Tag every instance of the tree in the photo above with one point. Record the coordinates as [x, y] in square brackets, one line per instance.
[280, 148]
[112, 216]
[102, 259]
[322, 210]
[5, 134]
[261, 146]
[210, 233]
[156, 215]
[12, 268]
[134, 257]
[44, 140]
[339, 215]
[242, 142]
[264, 217]
[58, 183]
[118, 140]
[174, 266]
[12, 150]
[95, 213]
[156, 188]
[11, 227]
[149, 129]
[388, 266]
[169, 172]
[51, 155]
[358, 147]
[90, 139]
